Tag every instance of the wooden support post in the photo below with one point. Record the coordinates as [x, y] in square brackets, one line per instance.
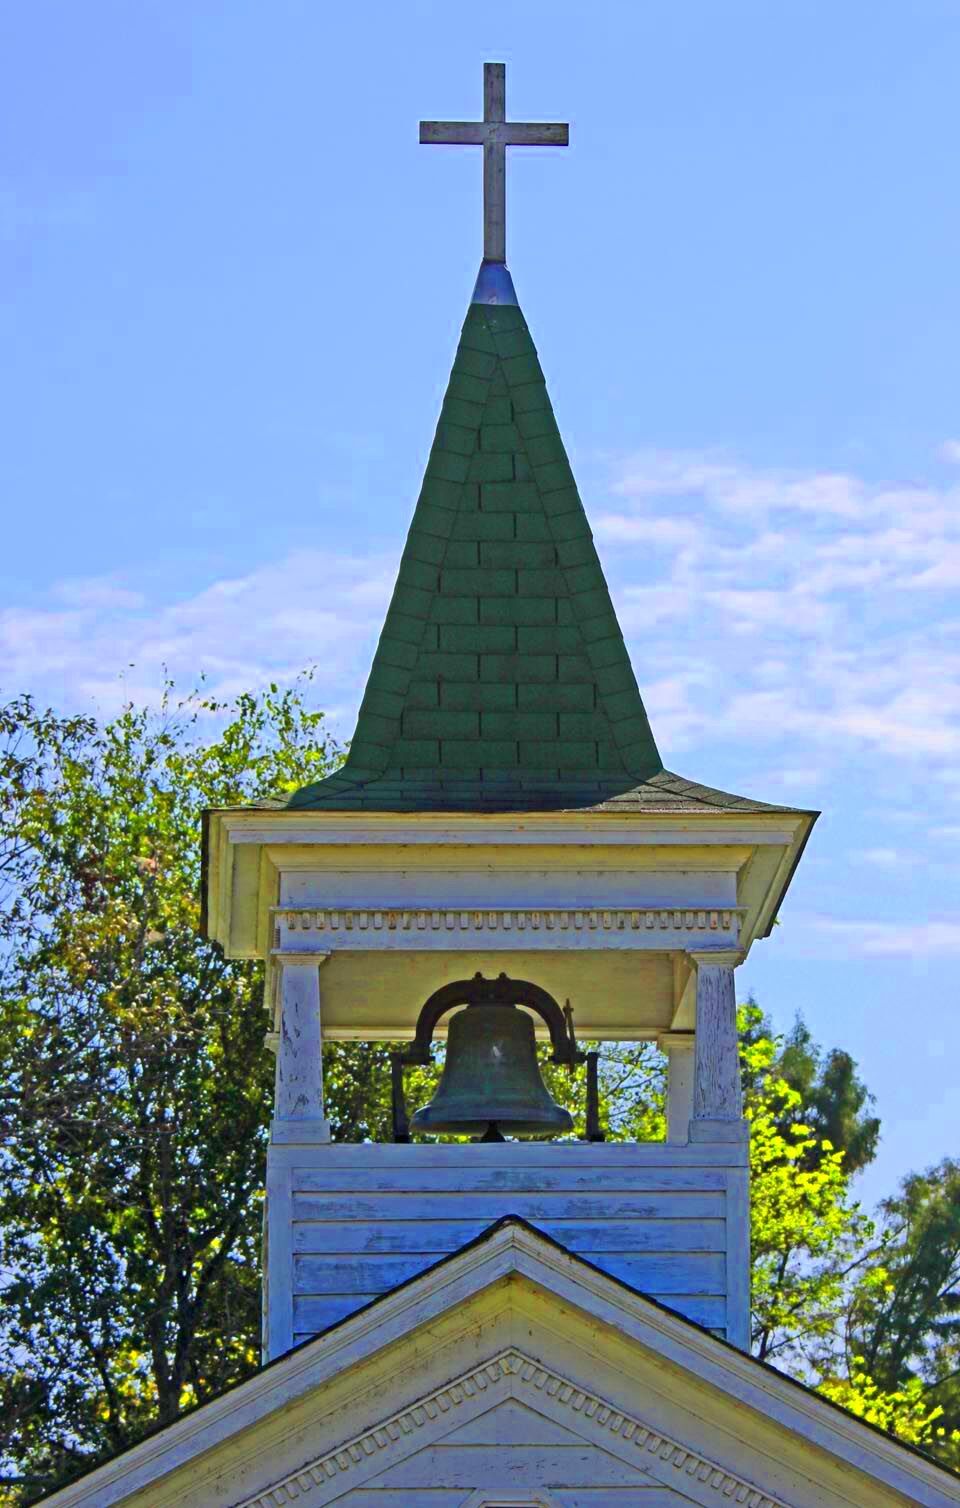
[595, 1131]
[679, 1048]
[401, 1121]
[298, 1107]
[717, 1102]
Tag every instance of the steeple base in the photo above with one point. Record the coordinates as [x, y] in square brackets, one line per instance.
[494, 285]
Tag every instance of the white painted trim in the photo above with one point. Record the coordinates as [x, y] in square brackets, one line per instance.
[400, 1033]
[615, 832]
[737, 1240]
[680, 1052]
[710, 838]
[729, 958]
[278, 1266]
[564, 1157]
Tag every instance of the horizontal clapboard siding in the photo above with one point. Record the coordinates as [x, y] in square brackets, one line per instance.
[361, 1219]
[532, 1206]
[653, 1272]
[443, 1236]
[463, 1180]
[313, 1315]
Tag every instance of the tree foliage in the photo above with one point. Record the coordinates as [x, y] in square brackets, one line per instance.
[905, 1331]
[867, 1311]
[828, 1096]
[808, 1236]
[136, 1095]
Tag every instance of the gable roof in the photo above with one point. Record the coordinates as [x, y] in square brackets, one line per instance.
[501, 680]
[509, 1247]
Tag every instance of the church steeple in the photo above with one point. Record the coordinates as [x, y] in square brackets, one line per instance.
[550, 858]
[501, 680]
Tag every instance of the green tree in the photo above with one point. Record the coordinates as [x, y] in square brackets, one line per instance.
[830, 1098]
[868, 1314]
[905, 1332]
[136, 1093]
[808, 1235]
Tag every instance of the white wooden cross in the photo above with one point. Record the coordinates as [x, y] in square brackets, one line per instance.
[494, 133]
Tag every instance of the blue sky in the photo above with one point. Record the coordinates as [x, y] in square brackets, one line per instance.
[233, 284]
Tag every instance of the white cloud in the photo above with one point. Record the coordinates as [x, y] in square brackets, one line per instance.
[739, 489]
[788, 784]
[950, 451]
[795, 611]
[641, 607]
[884, 858]
[815, 600]
[914, 939]
[656, 531]
[98, 592]
[112, 646]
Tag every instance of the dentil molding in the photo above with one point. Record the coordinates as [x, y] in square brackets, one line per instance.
[620, 919]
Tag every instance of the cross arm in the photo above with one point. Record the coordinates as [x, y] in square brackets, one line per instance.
[470, 133]
[464, 133]
[538, 134]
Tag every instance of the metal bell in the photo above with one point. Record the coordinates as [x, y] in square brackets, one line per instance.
[491, 1081]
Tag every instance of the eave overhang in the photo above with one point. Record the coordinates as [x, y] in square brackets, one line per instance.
[763, 845]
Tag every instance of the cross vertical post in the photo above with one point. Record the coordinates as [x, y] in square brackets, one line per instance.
[494, 165]
[494, 133]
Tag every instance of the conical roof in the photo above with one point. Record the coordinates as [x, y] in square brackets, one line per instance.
[501, 680]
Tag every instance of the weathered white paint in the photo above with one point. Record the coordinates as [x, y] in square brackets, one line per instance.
[299, 1074]
[366, 1218]
[278, 1227]
[716, 1086]
[449, 1369]
[679, 1049]
[738, 1257]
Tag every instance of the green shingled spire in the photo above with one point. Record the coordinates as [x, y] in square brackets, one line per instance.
[501, 681]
